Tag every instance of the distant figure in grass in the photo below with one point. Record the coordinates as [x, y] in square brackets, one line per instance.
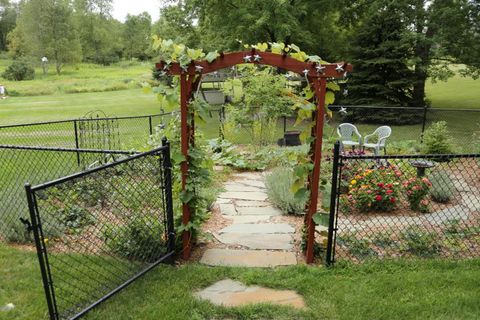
[3, 91]
[45, 65]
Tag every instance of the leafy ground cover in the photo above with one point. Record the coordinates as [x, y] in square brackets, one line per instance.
[420, 289]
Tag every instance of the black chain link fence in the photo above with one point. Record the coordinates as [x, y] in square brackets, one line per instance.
[110, 133]
[405, 206]
[99, 230]
[19, 165]
[408, 126]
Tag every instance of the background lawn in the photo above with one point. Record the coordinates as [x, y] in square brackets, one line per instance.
[386, 290]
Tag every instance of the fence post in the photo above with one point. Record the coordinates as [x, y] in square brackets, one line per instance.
[423, 123]
[333, 204]
[40, 253]
[77, 145]
[150, 124]
[167, 172]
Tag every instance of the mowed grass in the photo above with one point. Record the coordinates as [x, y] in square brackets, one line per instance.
[79, 78]
[429, 289]
[67, 106]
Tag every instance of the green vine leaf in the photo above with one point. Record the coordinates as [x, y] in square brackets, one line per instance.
[186, 196]
[212, 56]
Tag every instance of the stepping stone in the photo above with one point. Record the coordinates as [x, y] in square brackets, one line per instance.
[259, 196]
[243, 203]
[237, 187]
[230, 293]
[227, 209]
[258, 241]
[250, 176]
[471, 201]
[248, 258]
[457, 212]
[220, 200]
[250, 219]
[254, 183]
[263, 211]
[263, 228]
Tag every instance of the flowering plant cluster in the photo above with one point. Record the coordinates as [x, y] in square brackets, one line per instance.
[375, 190]
[417, 191]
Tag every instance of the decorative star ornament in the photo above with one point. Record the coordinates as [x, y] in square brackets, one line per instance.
[198, 68]
[257, 58]
[184, 68]
[320, 68]
[247, 58]
[343, 110]
[305, 72]
[339, 68]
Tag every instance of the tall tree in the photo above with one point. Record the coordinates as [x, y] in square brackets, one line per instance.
[443, 32]
[177, 23]
[381, 53]
[307, 23]
[136, 35]
[47, 29]
[8, 20]
[99, 33]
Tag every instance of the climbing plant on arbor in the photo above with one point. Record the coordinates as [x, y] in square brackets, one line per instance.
[191, 64]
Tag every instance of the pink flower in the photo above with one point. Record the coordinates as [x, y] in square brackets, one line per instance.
[389, 191]
[369, 191]
[378, 198]
[380, 185]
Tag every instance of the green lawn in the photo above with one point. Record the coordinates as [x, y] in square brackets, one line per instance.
[458, 92]
[385, 290]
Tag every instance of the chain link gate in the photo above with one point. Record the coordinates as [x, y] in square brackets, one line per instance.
[404, 206]
[98, 231]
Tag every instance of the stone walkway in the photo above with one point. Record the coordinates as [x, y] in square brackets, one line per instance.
[253, 239]
[230, 293]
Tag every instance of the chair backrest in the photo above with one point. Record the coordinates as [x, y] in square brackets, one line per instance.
[347, 130]
[383, 133]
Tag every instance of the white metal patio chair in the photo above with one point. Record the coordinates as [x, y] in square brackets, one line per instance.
[381, 133]
[347, 133]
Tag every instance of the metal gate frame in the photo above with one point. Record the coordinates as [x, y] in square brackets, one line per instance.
[42, 253]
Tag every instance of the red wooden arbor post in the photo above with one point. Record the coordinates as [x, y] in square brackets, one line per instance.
[317, 74]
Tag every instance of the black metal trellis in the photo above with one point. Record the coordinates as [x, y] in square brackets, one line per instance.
[99, 230]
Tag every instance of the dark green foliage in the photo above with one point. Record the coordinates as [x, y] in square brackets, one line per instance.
[359, 248]
[141, 238]
[419, 242]
[19, 70]
[437, 139]
[380, 54]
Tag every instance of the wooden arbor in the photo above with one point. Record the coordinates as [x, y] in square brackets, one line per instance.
[317, 74]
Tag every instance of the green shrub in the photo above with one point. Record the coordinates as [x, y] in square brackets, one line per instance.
[419, 242]
[18, 71]
[359, 248]
[437, 139]
[141, 238]
[442, 189]
[279, 183]
[16, 232]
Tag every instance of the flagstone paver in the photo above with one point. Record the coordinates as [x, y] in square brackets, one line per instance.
[264, 211]
[248, 258]
[252, 203]
[262, 228]
[227, 209]
[258, 241]
[245, 204]
[230, 293]
[249, 219]
[259, 196]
